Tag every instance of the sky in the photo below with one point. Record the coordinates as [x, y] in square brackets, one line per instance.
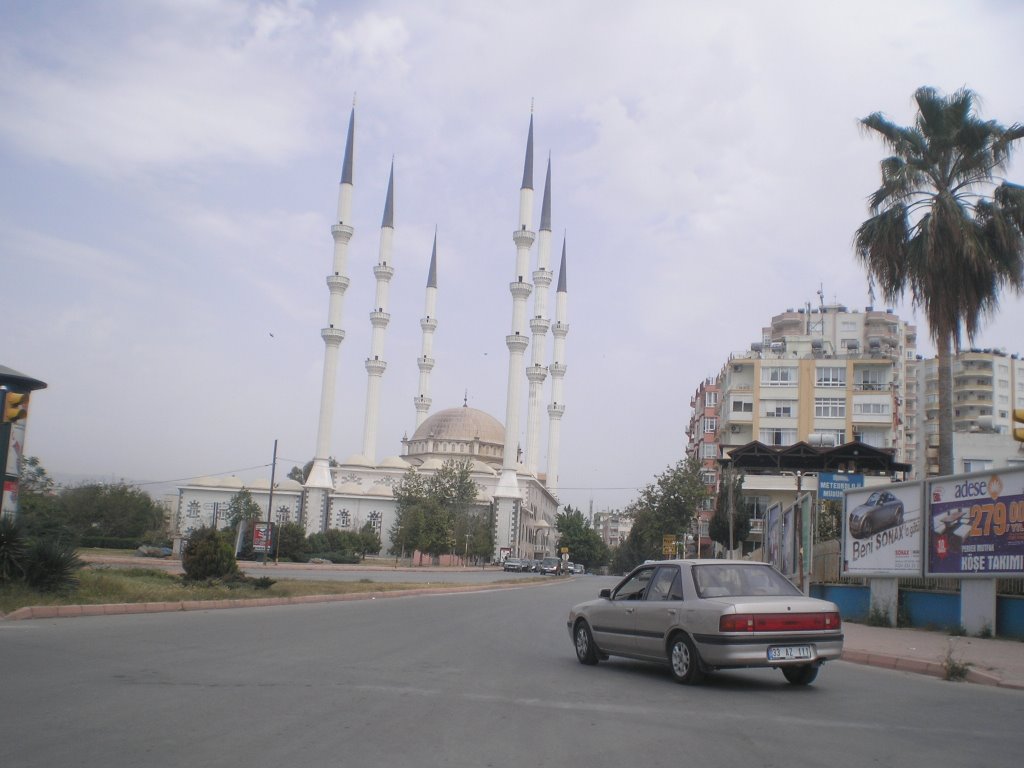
[170, 175]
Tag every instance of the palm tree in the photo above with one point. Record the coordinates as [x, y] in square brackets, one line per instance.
[941, 228]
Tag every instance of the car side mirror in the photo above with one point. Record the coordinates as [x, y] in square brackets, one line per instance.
[606, 594]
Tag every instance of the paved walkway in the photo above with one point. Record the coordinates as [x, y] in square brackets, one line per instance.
[983, 661]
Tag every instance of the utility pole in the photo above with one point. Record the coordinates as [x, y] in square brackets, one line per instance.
[270, 502]
[732, 510]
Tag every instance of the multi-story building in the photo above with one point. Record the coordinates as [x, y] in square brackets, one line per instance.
[830, 376]
[703, 443]
[826, 376]
[988, 384]
[612, 526]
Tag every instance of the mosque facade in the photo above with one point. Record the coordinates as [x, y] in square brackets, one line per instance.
[514, 492]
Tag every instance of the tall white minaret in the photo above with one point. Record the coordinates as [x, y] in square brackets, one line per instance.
[557, 407]
[379, 317]
[507, 496]
[319, 482]
[536, 372]
[429, 324]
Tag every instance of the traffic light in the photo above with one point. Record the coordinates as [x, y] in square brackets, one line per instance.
[1018, 419]
[15, 406]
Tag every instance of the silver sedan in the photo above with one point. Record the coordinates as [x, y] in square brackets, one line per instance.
[701, 615]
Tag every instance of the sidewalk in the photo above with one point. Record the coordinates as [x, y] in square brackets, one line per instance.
[987, 662]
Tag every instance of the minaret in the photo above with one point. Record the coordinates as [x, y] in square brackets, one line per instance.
[536, 372]
[507, 496]
[379, 317]
[429, 324]
[319, 482]
[557, 408]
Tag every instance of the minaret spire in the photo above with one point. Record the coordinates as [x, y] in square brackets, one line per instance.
[379, 318]
[558, 367]
[536, 372]
[429, 324]
[507, 495]
[319, 482]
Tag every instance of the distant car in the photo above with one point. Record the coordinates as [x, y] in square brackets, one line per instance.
[513, 564]
[698, 616]
[881, 510]
[549, 565]
[579, 569]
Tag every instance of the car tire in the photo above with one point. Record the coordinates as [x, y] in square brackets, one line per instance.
[586, 650]
[801, 675]
[684, 661]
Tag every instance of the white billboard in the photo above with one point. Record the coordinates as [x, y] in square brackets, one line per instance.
[882, 530]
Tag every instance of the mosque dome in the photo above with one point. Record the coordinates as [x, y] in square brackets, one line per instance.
[457, 433]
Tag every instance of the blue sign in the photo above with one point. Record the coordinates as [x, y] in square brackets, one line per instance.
[831, 485]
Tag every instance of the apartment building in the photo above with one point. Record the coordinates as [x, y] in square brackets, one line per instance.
[826, 376]
[988, 384]
[831, 375]
[702, 442]
[612, 526]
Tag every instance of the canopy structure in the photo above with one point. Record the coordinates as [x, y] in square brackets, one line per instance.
[856, 457]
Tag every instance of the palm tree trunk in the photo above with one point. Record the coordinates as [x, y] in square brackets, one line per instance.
[945, 406]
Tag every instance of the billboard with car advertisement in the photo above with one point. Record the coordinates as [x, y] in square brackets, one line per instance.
[882, 530]
[975, 524]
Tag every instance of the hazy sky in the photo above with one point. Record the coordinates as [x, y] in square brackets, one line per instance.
[170, 174]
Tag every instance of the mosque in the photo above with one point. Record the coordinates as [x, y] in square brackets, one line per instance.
[520, 498]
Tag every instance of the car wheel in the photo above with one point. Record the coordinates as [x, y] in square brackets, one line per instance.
[802, 675]
[684, 660]
[586, 651]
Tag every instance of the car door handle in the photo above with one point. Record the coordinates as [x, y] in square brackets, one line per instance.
[630, 610]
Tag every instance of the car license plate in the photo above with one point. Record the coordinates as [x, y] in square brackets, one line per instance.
[788, 652]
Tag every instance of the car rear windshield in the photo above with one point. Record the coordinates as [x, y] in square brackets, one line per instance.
[741, 580]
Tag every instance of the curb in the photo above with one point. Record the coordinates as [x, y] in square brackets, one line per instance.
[923, 667]
[110, 609]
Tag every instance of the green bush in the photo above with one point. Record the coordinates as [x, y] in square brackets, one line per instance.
[208, 555]
[52, 566]
[339, 558]
[12, 551]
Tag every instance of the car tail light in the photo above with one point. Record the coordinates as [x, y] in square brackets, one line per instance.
[779, 622]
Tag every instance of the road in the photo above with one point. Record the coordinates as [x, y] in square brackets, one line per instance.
[470, 680]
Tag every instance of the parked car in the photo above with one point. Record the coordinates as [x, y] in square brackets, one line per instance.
[881, 510]
[579, 569]
[698, 616]
[512, 564]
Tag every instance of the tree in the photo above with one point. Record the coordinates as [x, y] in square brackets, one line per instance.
[829, 520]
[368, 540]
[718, 528]
[208, 554]
[577, 534]
[433, 514]
[38, 508]
[668, 506]
[291, 541]
[301, 474]
[243, 508]
[97, 511]
[941, 229]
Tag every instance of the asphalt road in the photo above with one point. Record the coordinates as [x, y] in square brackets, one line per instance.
[474, 679]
